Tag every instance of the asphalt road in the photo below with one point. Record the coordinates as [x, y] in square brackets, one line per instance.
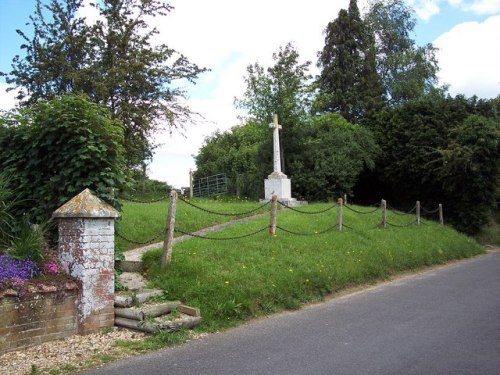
[444, 321]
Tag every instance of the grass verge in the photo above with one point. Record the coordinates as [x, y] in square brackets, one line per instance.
[144, 221]
[235, 280]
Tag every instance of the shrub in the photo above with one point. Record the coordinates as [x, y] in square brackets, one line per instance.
[58, 148]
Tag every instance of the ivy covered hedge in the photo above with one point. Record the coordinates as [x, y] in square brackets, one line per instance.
[56, 149]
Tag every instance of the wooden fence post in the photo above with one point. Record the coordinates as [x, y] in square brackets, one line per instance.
[383, 207]
[190, 183]
[169, 236]
[339, 213]
[274, 209]
[417, 211]
[345, 198]
[441, 220]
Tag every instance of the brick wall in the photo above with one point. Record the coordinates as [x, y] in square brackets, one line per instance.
[42, 314]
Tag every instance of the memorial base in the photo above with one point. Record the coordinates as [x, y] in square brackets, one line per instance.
[278, 184]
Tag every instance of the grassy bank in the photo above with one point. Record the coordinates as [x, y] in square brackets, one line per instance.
[144, 221]
[235, 280]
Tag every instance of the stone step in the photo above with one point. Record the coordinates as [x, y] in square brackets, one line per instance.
[132, 280]
[127, 299]
[130, 265]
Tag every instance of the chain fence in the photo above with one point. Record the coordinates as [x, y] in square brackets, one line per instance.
[192, 234]
[134, 200]
[306, 212]
[339, 225]
[224, 213]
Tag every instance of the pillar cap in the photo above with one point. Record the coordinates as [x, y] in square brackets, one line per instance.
[86, 204]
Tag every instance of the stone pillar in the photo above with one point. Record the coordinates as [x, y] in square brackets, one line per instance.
[86, 249]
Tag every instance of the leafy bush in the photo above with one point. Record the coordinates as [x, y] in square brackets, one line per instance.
[56, 149]
[333, 155]
[441, 149]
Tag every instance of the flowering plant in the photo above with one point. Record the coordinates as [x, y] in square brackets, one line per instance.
[14, 271]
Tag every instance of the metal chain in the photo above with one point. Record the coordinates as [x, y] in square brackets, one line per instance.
[219, 239]
[394, 210]
[223, 213]
[428, 212]
[401, 226]
[145, 201]
[307, 212]
[118, 234]
[307, 234]
[361, 212]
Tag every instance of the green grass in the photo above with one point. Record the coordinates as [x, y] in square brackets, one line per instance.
[232, 281]
[143, 221]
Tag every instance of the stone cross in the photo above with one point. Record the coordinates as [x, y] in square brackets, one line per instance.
[276, 144]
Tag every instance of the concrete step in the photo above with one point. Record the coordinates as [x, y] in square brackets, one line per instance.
[130, 265]
[132, 280]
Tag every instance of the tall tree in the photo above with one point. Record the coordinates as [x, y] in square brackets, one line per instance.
[56, 54]
[281, 89]
[113, 61]
[348, 82]
[407, 71]
[439, 149]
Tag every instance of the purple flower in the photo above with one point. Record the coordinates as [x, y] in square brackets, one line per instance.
[10, 268]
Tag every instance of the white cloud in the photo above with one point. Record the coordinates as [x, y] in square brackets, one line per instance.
[425, 9]
[7, 99]
[481, 7]
[226, 36]
[470, 58]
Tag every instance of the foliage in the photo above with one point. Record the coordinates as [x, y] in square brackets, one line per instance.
[406, 71]
[18, 238]
[334, 152]
[330, 154]
[113, 61]
[242, 153]
[28, 242]
[282, 89]
[145, 188]
[442, 149]
[7, 204]
[279, 89]
[57, 149]
[348, 82]
[247, 278]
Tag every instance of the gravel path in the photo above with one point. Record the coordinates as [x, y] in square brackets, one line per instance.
[74, 350]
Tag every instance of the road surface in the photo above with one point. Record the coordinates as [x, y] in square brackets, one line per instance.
[443, 321]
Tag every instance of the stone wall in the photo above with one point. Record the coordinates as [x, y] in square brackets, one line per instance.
[41, 314]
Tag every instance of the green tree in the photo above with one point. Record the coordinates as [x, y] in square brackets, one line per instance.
[56, 54]
[406, 71]
[238, 153]
[348, 82]
[112, 61]
[54, 150]
[439, 149]
[281, 89]
[334, 152]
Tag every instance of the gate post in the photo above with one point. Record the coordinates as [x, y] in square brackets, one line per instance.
[86, 248]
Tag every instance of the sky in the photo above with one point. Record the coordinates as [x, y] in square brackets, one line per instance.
[227, 35]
